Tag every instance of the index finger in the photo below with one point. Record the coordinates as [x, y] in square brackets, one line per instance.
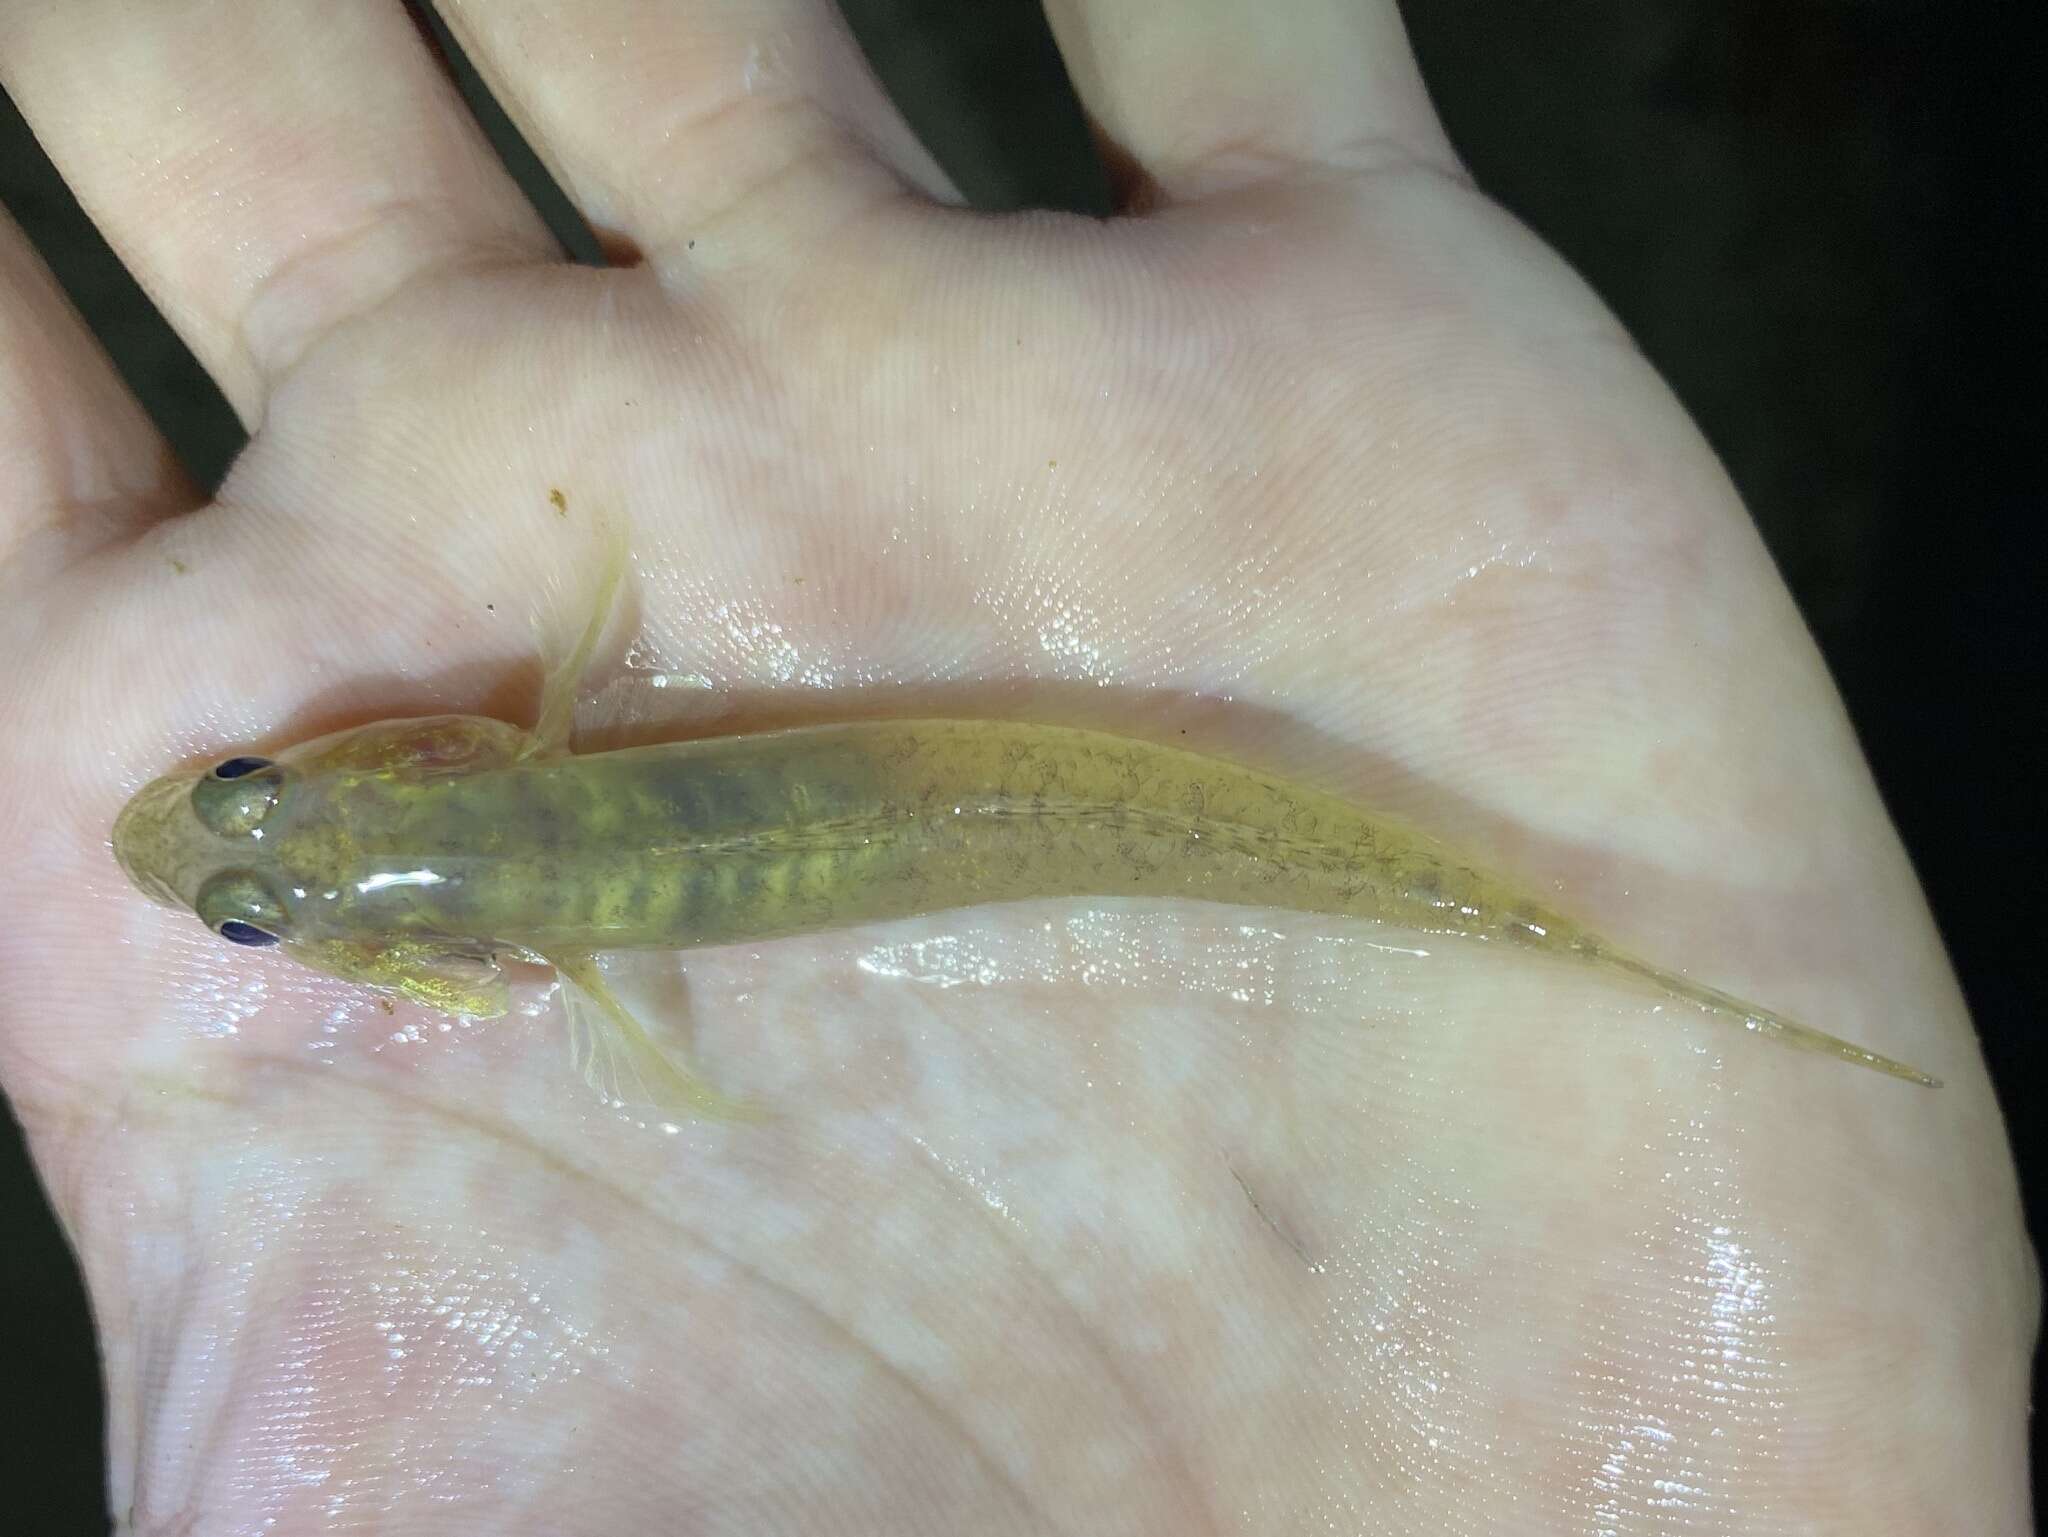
[80, 461]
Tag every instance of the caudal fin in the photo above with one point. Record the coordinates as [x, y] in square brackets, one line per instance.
[1760, 1021]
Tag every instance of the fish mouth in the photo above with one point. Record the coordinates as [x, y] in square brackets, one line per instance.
[149, 842]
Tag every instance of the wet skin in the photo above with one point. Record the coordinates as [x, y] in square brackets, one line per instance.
[1080, 1214]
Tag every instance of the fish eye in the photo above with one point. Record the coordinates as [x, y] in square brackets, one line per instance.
[233, 798]
[239, 906]
[239, 768]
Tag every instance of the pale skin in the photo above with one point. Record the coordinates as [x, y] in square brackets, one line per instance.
[1081, 1218]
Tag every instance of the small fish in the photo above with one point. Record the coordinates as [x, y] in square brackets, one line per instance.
[418, 856]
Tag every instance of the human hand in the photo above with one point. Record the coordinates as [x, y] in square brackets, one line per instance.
[1082, 1217]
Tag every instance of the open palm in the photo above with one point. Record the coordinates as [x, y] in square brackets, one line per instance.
[1080, 1217]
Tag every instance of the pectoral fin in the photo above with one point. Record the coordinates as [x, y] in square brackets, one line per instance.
[567, 661]
[428, 744]
[624, 1063]
[452, 978]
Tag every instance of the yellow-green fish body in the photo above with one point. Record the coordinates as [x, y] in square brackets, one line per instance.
[415, 855]
[751, 837]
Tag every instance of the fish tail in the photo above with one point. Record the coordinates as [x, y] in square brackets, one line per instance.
[1761, 1021]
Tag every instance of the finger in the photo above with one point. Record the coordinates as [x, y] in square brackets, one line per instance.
[727, 129]
[79, 459]
[266, 171]
[1208, 95]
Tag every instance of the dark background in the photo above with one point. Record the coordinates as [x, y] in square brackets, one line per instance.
[1821, 219]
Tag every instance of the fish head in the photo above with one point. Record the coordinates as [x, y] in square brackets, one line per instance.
[198, 842]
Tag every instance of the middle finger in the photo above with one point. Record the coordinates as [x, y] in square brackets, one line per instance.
[266, 171]
[735, 130]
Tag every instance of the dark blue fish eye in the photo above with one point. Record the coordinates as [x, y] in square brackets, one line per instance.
[235, 768]
[246, 933]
